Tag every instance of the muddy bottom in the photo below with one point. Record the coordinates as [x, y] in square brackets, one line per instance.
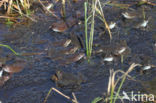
[33, 83]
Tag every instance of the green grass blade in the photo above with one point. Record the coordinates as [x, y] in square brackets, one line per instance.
[7, 46]
[97, 99]
[86, 34]
[121, 84]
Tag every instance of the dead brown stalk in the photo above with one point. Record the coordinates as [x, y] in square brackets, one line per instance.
[74, 100]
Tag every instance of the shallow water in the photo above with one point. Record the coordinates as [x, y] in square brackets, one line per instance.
[33, 83]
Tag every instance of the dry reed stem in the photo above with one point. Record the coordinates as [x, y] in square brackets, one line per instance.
[62, 94]
[104, 20]
[47, 9]
[9, 7]
[74, 97]
[109, 83]
[3, 2]
[112, 83]
[6, 17]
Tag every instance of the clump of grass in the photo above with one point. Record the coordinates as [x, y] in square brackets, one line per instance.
[21, 6]
[96, 10]
[91, 35]
[99, 10]
[112, 92]
[112, 83]
[89, 43]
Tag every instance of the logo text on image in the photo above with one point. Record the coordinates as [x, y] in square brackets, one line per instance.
[137, 96]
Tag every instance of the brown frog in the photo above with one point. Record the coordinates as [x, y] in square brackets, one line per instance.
[77, 40]
[15, 67]
[63, 43]
[144, 61]
[62, 26]
[67, 80]
[59, 54]
[121, 48]
[67, 51]
[72, 58]
[104, 50]
[114, 49]
[7, 70]
[59, 26]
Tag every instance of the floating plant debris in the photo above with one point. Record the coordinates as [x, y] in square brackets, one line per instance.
[142, 2]
[112, 25]
[146, 67]
[143, 24]
[49, 6]
[119, 51]
[108, 59]
[128, 15]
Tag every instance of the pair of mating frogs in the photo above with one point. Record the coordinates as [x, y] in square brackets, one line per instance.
[68, 80]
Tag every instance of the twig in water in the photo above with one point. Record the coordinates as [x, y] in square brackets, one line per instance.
[67, 97]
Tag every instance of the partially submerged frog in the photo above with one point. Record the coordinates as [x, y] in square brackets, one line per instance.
[63, 43]
[73, 58]
[67, 80]
[67, 51]
[121, 48]
[59, 54]
[4, 76]
[62, 26]
[113, 51]
[59, 26]
[77, 40]
[144, 61]
[7, 70]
